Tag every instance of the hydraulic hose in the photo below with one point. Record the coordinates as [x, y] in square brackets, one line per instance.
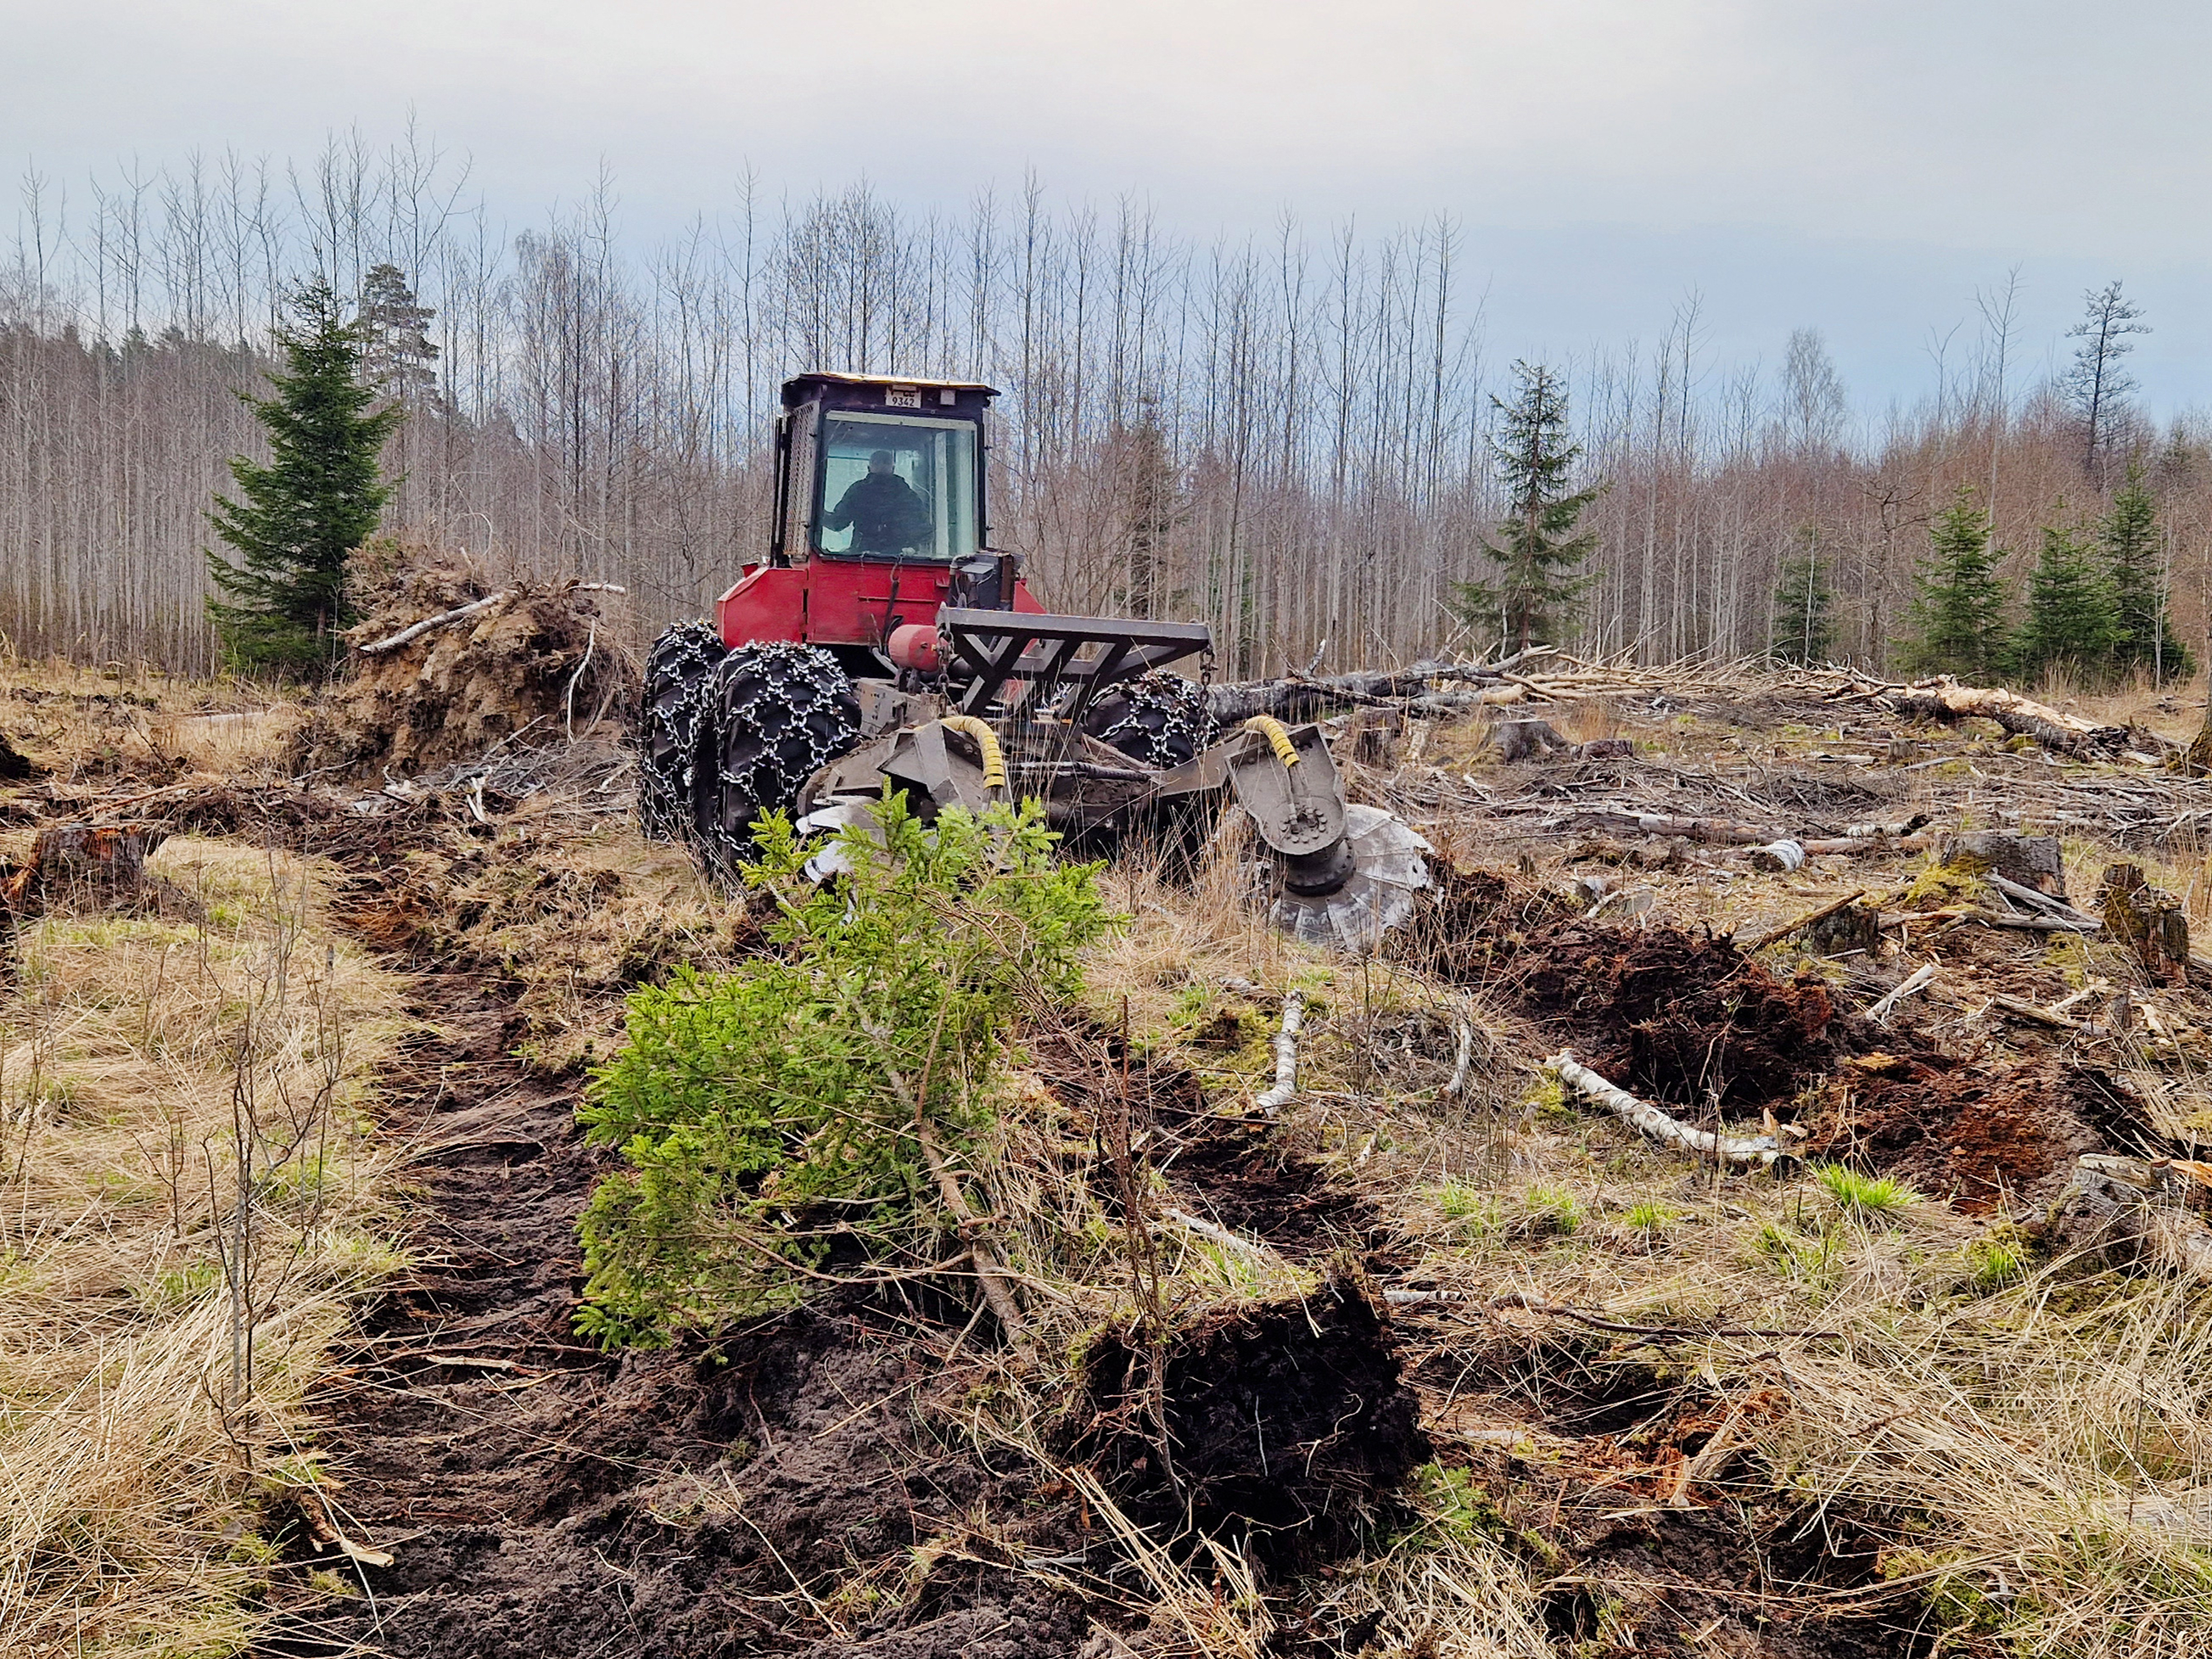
[994, 761]
[1279, 739]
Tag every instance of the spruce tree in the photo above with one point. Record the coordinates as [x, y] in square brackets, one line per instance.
[1804, 628]
[1958, 619]
[1537, 552]
[317, 499]
[2071, 622]
[2143, 637]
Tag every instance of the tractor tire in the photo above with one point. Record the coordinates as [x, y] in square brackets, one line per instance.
[679, 674]
[780, 712]
[1157, 719]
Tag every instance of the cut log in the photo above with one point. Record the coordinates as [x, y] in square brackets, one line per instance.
[2032, 860]
[2148, 920]
[1946, 700]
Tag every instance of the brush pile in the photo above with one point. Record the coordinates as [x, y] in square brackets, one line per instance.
[448, 668]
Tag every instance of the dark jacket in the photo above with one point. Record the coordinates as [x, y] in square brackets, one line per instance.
[885, 513]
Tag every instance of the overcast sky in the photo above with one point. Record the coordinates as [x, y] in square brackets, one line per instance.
[1860, 167]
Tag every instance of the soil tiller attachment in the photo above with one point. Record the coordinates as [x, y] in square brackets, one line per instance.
[881, 640]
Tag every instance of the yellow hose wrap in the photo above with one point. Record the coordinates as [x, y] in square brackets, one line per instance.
[994, 761]
[1278, 738]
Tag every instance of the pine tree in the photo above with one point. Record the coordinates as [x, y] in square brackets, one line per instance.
[1959, 617]
[1804, 628]
[317, 499]
[2071, 622]
[2143, 635]
[2096, 383]
[397, 353]
[1537, 552]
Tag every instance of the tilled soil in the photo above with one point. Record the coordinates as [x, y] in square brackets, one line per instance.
[543, 1500]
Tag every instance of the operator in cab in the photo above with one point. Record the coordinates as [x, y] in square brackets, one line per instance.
[886, 514]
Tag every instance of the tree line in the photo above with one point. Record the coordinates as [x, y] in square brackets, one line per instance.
[1293, 436]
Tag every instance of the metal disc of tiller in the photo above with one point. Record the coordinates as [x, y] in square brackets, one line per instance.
[1387, 870]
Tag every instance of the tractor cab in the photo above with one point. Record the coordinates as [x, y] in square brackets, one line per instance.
[879, 521]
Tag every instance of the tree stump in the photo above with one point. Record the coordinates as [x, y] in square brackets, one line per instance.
[1856, 927]
[1519, 740]
[2031, 860]
[2148, 920]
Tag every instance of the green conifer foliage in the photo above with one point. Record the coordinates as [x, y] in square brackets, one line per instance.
[768, 1115]
[317, 499]
[2071, 623]
[2143, 640]
[1538, 553]
[1804, 621]
[1958, 619]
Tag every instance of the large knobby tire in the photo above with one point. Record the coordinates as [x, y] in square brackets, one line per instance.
[780, 713]
[679, 673]
[1157, 719]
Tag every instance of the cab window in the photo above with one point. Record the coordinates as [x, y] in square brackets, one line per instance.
[896, 487]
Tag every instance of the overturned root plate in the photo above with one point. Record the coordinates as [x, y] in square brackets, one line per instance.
[1286, 1422]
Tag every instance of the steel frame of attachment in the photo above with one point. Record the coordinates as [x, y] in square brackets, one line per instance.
[998, 646]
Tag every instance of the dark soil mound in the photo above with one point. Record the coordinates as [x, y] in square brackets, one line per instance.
[1289, 1423]
[15, 767]
[1471, 923]
[1675, 1016]
[1987, 1141]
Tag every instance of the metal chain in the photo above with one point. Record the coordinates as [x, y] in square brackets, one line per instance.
[678, 696]
[782, 712]
[1157, 719]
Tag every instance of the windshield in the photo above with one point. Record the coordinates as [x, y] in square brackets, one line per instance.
[896, 487]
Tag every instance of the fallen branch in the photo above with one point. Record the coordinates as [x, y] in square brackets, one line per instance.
[1658, 1125]
[1946, 700]
[1922, 978]
[1286, 1055]
[1457, 1086]
[2029, 1011]
[1775, 934]
[1221, 1236]
[2042, 901]
[416, 630]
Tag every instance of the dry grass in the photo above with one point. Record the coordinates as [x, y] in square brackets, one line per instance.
[189, 1199]
[85, 725]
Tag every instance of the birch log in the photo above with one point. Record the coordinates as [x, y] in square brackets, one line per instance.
[1658, 1125]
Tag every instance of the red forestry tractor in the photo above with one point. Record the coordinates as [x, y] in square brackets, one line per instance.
[881, 638]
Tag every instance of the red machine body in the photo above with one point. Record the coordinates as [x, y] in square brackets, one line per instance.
[840, 601]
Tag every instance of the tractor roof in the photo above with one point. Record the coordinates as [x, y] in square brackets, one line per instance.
[796, 388]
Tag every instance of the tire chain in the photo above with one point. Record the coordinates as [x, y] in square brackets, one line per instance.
[780, 712]
[1158, 720]
[679, 683]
